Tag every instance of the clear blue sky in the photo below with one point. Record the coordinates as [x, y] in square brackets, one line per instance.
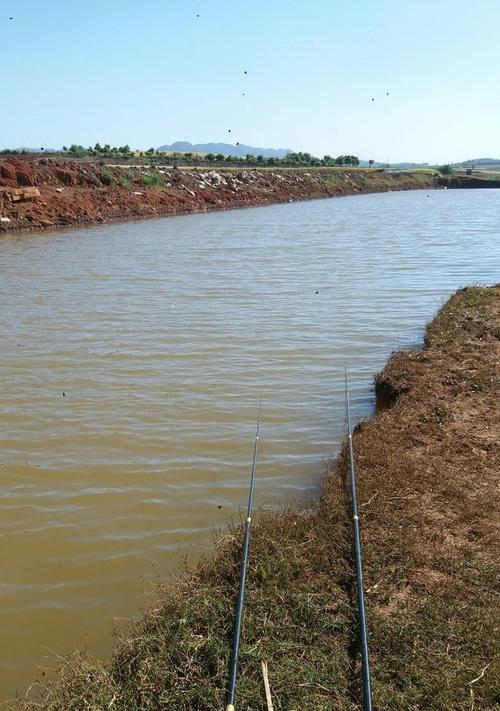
[150, 72]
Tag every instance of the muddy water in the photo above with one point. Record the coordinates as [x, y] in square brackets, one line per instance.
[132, 358]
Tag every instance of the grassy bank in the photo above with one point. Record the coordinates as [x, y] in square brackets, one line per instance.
[428, 488]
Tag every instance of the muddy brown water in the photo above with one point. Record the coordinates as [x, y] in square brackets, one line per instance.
[132, 359]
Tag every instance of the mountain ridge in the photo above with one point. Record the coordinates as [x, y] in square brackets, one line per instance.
[225, 148]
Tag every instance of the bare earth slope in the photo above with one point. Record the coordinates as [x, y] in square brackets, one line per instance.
[428, 467]
[40, 193]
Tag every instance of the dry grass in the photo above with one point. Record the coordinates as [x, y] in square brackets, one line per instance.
[428, 467]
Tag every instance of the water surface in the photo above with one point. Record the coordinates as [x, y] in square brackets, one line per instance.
[132, 359]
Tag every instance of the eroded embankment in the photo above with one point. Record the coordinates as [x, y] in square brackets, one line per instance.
[428, 468]
[42, 193]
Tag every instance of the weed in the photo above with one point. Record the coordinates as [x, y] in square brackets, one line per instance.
[106, 177]
[153, 180]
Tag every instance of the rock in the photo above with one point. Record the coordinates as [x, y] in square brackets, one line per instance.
[7, 172]
[59, 190]
[23, 178]
[5, 219]
[66, 177]
[21, 194]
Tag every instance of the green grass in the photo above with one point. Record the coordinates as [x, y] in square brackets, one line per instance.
[153, 180]
[106, 177]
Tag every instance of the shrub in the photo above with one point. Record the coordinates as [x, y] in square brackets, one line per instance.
[106, 177]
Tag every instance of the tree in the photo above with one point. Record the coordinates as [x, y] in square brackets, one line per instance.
[371, 162]
[77, 150]
[445, 169]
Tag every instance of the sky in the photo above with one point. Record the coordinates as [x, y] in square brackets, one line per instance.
[157, 71]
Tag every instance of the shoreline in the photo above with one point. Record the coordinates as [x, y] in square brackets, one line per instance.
[42, 194]
[427, 464]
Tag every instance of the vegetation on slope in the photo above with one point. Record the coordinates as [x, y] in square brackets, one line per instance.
[428, 491]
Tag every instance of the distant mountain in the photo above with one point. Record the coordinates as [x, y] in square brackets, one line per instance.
[480, 161]
[226, 149]
[19, 149]
[412, 166]
[400, 166]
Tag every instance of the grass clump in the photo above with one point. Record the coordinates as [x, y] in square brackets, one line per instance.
[106, 177]
[127, 180]
[153, 180]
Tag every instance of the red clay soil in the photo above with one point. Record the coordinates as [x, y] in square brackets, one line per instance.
[41, 193]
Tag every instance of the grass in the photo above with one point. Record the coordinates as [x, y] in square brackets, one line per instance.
[127, 180]
[106, 177]
[428, 489]
[153, 180]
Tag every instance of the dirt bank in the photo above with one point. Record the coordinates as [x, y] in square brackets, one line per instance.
[468, 182]
[40, 193]
[428, 467]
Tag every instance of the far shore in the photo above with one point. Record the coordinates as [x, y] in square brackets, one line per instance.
[41, 193]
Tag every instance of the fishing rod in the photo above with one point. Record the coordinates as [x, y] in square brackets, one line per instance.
[363, 627]
[233, 663]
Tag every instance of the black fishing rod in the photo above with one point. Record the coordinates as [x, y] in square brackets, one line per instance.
[233, 664]
[363, 627]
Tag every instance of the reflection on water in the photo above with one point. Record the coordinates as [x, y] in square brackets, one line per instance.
[132, 361]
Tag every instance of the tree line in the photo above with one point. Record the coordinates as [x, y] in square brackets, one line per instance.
[153, 156]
